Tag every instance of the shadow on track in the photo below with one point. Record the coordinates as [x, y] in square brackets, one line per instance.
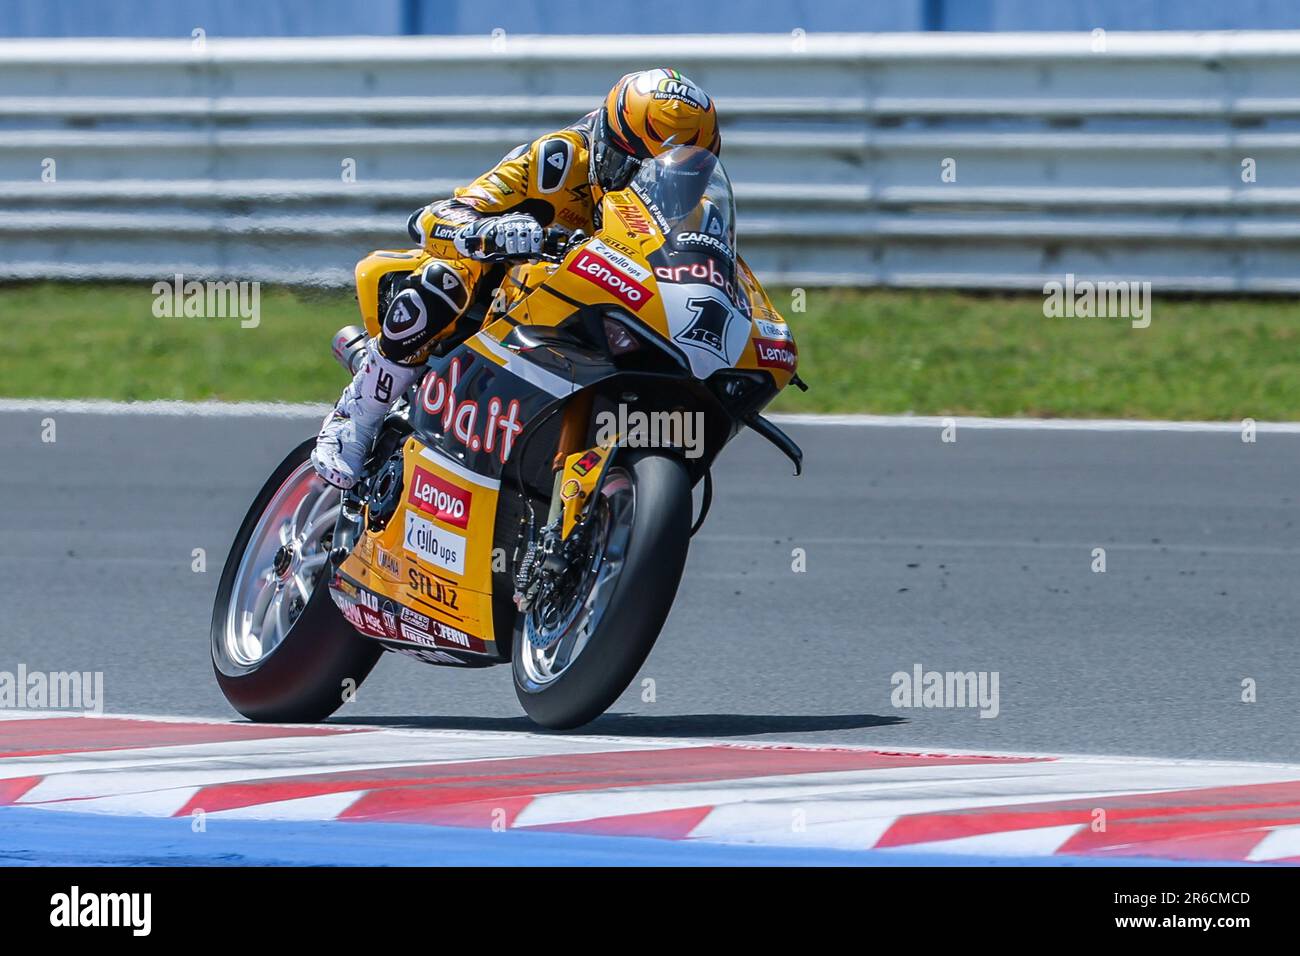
[639, 725]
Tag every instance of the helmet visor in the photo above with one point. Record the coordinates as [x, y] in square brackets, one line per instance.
[613, 166]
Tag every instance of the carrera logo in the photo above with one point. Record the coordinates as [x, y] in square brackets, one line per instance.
[439, 498]
[771, 354]
[599, 271]
[704, 240]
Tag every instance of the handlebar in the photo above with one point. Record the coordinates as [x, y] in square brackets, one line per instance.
[556, 241]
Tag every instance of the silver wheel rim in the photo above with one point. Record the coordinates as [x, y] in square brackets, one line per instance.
[552, 642]
[283, 560]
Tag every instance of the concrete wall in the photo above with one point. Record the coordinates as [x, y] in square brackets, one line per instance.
[249, 18]
[1120, 159]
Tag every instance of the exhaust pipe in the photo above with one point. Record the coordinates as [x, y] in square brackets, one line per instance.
[348, 346]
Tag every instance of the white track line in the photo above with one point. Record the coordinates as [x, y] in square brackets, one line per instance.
[1034, 424]
[629, 742]
[77, 406]
[288, 410]
[852, 807]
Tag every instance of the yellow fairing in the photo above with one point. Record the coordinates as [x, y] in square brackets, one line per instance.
[630, 233]
[629, 237]
[582, 471]
[771, 345]
[373, 268]
[435, 554]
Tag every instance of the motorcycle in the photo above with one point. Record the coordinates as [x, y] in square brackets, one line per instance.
[529, 500]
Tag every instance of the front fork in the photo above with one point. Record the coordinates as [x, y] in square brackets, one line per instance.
[573, 439]
[543, 554]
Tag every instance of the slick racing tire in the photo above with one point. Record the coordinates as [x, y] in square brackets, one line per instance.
[573, 658]
[281, 650]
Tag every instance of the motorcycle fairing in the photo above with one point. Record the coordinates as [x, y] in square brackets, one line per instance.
[474, 403]
[711, 331]
[423, 583]
[432, 559]
[372, 269]
[706, 303]
[468, 415]
[403, 628]
[583, 473]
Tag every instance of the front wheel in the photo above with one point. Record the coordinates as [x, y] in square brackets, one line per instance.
[577, 649]
[281, 650]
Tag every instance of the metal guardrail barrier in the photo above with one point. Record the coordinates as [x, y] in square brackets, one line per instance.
[976, 160]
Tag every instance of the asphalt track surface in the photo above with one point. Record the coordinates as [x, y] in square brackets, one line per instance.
[971, 555]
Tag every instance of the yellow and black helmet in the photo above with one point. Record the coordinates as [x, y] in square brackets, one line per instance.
[645, 114]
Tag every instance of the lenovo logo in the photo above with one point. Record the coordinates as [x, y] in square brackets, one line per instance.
[772, 354]
[599, 271]
[440, 498]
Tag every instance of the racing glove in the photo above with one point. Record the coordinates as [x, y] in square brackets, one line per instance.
[513, 235]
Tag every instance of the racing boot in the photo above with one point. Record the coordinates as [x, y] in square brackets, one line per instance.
[349, 430]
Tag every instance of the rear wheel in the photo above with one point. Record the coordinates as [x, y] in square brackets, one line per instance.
[281, 650]
[577, 648]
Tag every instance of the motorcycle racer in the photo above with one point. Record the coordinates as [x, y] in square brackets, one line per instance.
[558, 179]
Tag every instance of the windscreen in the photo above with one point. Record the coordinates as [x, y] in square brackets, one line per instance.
[688, 192]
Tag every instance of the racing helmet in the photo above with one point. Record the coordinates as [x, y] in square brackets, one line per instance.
[645, 114]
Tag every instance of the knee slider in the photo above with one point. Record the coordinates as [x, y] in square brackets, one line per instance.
[432, 300]
[439, 282]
